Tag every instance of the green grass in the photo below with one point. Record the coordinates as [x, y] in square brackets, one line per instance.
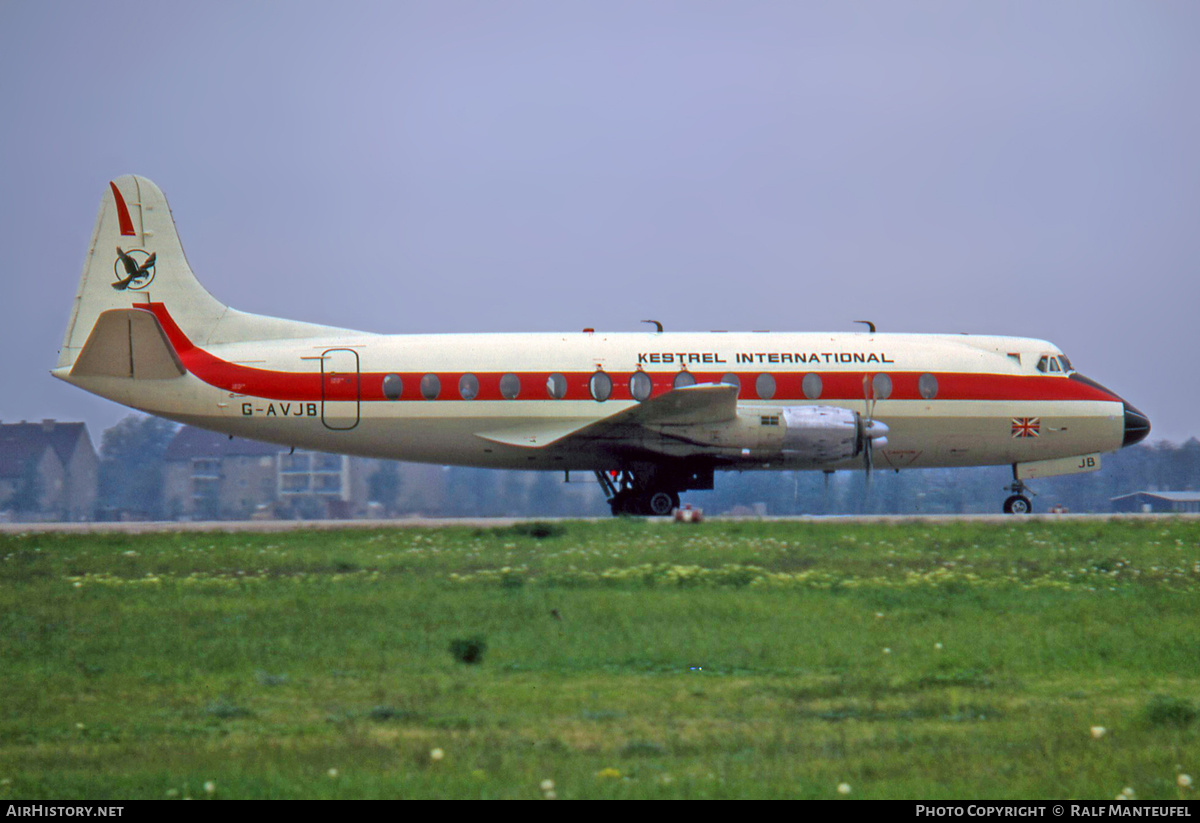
[623, 659]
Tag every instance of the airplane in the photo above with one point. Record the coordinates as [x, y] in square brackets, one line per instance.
[652, 414]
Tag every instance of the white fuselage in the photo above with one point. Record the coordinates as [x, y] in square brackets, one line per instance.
[947, 400]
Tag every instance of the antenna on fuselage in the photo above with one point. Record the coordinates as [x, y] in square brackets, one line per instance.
[656, 323]
[868, 324]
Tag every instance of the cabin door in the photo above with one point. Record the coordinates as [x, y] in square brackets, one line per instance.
[340, 389]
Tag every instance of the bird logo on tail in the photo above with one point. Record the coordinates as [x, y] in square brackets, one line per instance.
[139, 269]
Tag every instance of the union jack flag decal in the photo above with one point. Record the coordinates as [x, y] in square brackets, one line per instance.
[1026, 426]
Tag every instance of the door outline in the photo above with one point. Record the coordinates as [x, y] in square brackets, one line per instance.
[338, 365]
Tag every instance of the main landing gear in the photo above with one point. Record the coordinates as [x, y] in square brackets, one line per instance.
[627, 496]
[646, 492]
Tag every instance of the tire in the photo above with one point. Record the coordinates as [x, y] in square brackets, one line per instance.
[1018, 504]
[660, 504]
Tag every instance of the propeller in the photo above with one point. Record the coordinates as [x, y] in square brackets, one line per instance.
[871, 432]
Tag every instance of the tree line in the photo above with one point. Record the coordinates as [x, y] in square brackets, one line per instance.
[131, 475]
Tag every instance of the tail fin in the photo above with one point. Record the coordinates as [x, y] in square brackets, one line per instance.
[135, 257]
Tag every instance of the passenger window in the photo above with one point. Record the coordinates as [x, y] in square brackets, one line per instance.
[927, 385]
[811, 386]
[556, 386]
[640, 386]
[600, 386]
[393, 387]
[765, 386]
[881, 387]
[684, 379]
[510, 386]
[468, 387]
[431, 387]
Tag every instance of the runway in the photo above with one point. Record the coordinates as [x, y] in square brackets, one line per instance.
[270, 526]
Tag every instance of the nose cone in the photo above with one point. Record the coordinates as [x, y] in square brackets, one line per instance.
[1137, 426]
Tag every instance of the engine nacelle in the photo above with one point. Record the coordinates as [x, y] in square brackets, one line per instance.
[824, 434]
[806, 435]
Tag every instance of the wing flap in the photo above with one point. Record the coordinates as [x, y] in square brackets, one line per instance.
[691, 405]
[702, 403]
[535, 435]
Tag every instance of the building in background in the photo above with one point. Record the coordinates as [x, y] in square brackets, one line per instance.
[316, 484]
[210, 476]
[1158, 502]
[48, 471]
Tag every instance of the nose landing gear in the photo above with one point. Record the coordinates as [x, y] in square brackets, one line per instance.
[1018, 502]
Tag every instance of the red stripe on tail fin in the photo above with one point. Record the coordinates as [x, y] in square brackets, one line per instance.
[122, 212]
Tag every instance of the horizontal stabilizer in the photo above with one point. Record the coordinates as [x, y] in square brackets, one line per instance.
[127, 343]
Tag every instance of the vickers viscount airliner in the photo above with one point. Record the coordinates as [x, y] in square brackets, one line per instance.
[652, 413]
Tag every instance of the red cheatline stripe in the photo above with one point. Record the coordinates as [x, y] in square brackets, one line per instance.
[837, 386]
[122, 212]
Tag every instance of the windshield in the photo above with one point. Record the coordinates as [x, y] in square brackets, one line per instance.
[1054, 364]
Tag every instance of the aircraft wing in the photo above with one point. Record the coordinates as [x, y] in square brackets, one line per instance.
[687, 406]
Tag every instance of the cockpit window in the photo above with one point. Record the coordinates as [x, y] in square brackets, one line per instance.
[1054, 364]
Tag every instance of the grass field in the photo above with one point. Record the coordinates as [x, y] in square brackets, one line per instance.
[622, 659]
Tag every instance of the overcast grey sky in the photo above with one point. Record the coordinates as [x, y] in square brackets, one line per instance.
[1004, 167]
